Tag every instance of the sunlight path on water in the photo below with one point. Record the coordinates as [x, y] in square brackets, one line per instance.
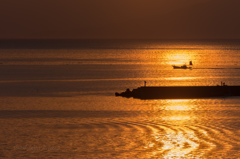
[183, 135]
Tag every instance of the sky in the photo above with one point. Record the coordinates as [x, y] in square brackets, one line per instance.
[119, 19]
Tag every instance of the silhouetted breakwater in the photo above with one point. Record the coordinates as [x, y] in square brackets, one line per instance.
[178, 92]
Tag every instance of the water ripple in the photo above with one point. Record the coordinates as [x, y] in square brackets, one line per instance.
[159, 139]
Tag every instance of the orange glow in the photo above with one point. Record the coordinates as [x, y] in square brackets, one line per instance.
[178, 139]
[179, 57]
[177, 104]
[180, 78]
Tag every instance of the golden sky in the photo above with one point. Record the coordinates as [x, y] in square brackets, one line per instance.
[119, 19]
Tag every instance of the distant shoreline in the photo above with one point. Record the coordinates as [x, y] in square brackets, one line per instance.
[116, 43]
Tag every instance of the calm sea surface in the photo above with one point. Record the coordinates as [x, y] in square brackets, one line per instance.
[59, 102]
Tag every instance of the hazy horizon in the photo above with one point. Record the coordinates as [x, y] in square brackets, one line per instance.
[120, 19]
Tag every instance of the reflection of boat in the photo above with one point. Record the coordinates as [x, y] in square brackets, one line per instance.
[180, 92]
[181, 67]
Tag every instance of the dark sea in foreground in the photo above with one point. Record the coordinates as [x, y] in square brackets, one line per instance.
[57, 99]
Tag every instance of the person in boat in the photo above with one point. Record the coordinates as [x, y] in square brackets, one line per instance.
[190, 63]
[183, 66]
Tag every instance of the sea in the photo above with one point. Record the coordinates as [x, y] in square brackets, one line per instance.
[57, 99]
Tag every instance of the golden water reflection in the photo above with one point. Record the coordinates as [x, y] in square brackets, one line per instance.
[180, 138]
[179, 57]
[181, 78]
[179, 105]
[176, 105]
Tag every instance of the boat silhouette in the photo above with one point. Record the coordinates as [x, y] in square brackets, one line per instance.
[183, 66]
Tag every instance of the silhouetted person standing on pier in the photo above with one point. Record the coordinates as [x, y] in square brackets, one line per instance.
[145, 83]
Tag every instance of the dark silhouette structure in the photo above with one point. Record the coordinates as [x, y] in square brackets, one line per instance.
[184, 66]
[181, 92]
[190, 63]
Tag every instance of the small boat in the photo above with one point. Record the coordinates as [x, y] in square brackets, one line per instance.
[181, 67]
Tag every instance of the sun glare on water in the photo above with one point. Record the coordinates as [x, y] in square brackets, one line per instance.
[178, 140]
[179, 57]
